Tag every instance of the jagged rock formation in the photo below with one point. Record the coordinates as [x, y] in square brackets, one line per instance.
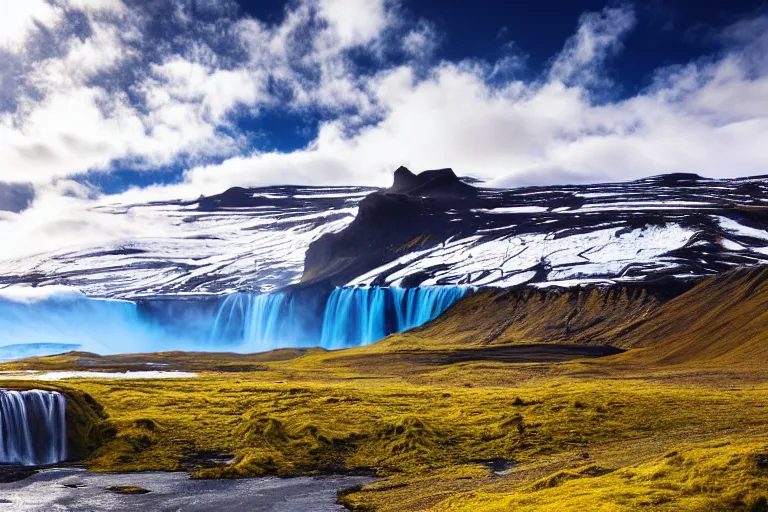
[437, 184]
[389, 223]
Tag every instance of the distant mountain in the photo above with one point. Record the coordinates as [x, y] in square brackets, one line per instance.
[432, 228]
[435, 229]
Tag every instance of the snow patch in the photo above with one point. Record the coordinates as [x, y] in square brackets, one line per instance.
[55, 376]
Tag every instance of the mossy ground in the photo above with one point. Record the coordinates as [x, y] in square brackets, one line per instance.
[577, 435]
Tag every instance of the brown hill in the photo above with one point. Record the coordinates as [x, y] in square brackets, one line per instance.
[583, 316]
[722, 321]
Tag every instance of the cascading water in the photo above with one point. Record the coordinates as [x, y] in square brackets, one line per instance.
[76, 321]
[358, 316]
[348, 317]
[266, 320]
[417, 306]
[243, 322]
[33, 428]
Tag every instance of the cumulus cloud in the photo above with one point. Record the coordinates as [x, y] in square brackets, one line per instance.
[153, 84]
[599, 36]
[707, 117]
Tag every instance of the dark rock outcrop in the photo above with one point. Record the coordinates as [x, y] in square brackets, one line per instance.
[424, 212]
[409, 215]
[439, 183]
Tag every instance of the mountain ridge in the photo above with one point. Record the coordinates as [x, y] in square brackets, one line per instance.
[431, 228]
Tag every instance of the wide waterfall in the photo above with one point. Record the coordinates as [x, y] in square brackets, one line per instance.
[358, 316]
[239, 322]
[33, 428]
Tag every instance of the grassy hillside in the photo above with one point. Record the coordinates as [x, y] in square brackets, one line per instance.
[589, 315]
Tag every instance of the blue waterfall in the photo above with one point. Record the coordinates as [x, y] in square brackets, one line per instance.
[76, 322]
[59, 324]
[358, 316]
[417, 306]
[349, 317]
[263, 321]
[33, 428]
[242, 322]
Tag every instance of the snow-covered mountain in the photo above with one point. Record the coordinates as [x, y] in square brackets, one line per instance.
[428, 229]
[241, 240]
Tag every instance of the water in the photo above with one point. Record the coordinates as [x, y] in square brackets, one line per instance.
[74, 321]
[239, 322]
[263, 320]
[33, 429]
[64, 375]
[359, 316]
[77, 490]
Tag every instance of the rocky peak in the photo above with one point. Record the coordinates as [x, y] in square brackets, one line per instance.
[437, 183]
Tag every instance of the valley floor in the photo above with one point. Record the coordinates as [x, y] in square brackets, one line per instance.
[599, 434]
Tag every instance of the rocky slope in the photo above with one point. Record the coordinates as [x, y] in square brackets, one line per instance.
[240, 240]
[438, 230]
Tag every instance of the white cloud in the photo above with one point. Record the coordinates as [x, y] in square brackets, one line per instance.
[19, 20]
[421, 41]
[108, 6]
[599, 35]
[354, 22]
[114, 93]
[708, 117]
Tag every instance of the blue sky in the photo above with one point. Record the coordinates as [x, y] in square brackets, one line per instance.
[156, 99]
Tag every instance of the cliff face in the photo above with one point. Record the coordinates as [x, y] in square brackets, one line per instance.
[412, 214]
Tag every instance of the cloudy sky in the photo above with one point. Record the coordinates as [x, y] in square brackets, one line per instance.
[139, 99]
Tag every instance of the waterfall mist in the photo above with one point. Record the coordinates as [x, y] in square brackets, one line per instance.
[33, 429]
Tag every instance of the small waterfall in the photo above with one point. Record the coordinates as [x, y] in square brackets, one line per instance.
[358, 316]
[33, 429]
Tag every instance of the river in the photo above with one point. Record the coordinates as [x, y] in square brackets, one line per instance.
[79, 491]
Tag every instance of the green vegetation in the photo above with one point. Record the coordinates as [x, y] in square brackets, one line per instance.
[431, 434]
